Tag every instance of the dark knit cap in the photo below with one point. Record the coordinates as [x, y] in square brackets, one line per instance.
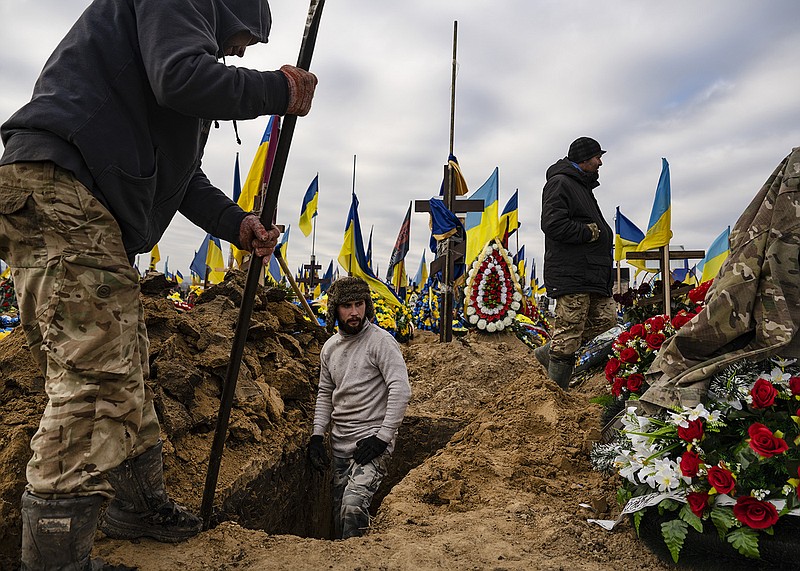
[345, 290]
[583, 149]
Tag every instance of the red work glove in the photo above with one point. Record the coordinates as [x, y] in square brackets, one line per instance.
[256, 239]
[301, 89]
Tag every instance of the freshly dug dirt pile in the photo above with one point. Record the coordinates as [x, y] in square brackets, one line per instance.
[489, 473]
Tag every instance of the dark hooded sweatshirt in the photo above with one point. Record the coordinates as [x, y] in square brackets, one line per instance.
[126, 102]
[572, 263]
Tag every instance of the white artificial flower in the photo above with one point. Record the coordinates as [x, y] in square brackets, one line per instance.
[491, 327]
[482, 324]
[500, 325]
[470, 310]
[473, 319]
[511, 314]
[517, 296]
[515, 305]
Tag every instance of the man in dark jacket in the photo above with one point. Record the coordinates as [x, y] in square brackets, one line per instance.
[95, 167]
[578, 257]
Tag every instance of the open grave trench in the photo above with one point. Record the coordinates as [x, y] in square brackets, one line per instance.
[292, 498]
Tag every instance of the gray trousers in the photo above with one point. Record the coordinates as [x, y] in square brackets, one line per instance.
[353, 487]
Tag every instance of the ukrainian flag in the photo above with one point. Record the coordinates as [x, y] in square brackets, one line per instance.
[659, 229]
[179, 277]
[309, 208]
[482, 227]
[519, 261]
[155, 257]
[717, 253]
[208, 260]
[509, 219]
[353, 259]
[274, 267]
[259, 171]
[422, 272]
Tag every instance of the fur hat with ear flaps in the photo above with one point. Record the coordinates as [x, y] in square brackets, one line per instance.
[345, 290]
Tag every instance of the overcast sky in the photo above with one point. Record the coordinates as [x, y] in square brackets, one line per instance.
[710, 85]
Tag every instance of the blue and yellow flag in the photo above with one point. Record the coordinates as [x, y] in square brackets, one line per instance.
[659, 229]
[482, 227]
[626, 236]
[155, 257]
[519, 262]
[208, 260]
[509, 218]
[179, 277]
[275, 271]
[353, 259]
[6, 270]
[327, 278]
[460, 185]
[422, 272]
[308, 210]
[716, 254]
[259, 173]
[237, 180]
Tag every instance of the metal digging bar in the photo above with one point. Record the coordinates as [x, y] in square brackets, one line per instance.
[254, 275]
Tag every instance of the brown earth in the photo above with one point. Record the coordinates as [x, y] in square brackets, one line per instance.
[490, 470]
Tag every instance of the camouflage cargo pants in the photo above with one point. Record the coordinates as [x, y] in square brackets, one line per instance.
[83, 319]
[353, 487]
[579, 318]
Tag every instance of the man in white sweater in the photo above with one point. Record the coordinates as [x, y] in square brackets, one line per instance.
[362, 398]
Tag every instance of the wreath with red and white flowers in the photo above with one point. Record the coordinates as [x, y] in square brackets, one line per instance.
[493, 294]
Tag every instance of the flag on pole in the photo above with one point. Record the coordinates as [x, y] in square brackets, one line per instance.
[155, 257]
[275, 271]
[208, 260]
[259, 169]
[400, 248]
[659, 229]
[179, 276]
[519, 261]
[509, 219]
[422, 272]
[327, 278]
[716, 254]
[353, 259]
[369, 248]
[483, 226]
[308, 210]
[237, 180]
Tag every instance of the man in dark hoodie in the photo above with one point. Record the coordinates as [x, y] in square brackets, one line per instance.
[95, 167]
[578, 258]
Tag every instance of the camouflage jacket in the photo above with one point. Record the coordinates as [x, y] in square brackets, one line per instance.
[752, 308]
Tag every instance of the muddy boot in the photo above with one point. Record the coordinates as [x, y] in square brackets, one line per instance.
[58, 534]
[560, 370]
[542, 354]
[141, 507]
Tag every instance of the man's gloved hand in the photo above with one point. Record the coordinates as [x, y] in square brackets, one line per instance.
[595, 231]
[368, 449]
[302, 84]
[256, 239]
[317, 453]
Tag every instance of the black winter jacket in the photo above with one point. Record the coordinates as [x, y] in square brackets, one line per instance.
[572, 263]
[126, 102]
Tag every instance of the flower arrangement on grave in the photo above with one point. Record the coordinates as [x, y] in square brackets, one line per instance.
[394, 319]
[493, 295]
[425, 313]
[635, 349]
[731, 466]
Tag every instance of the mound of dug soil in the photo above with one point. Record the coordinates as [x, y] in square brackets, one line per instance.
[489, 472]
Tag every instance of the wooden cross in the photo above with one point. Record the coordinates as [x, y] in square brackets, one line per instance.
[309, 277]
[664, 255]
[450, 252]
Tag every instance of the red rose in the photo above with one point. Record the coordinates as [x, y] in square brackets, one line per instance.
[721, 480]
[655, 340]
[656, 323]
[634, 382]
[794, 385]
[697, 502]
[690, 464]
[698, 294]
[616, 388]
[755, 513]
[763, 394]
[692, 432]
[637, 330]
[623, 338]
[612, 367]
[764, 442]
[629, 355]
[681, 319]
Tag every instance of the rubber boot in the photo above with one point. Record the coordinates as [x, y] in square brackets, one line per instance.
[542, 354]
[58, 534]
[560, 371]
[141, 507]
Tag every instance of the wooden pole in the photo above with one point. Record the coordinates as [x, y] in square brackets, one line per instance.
[288, 273]
[666, 279]
[446, 316]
